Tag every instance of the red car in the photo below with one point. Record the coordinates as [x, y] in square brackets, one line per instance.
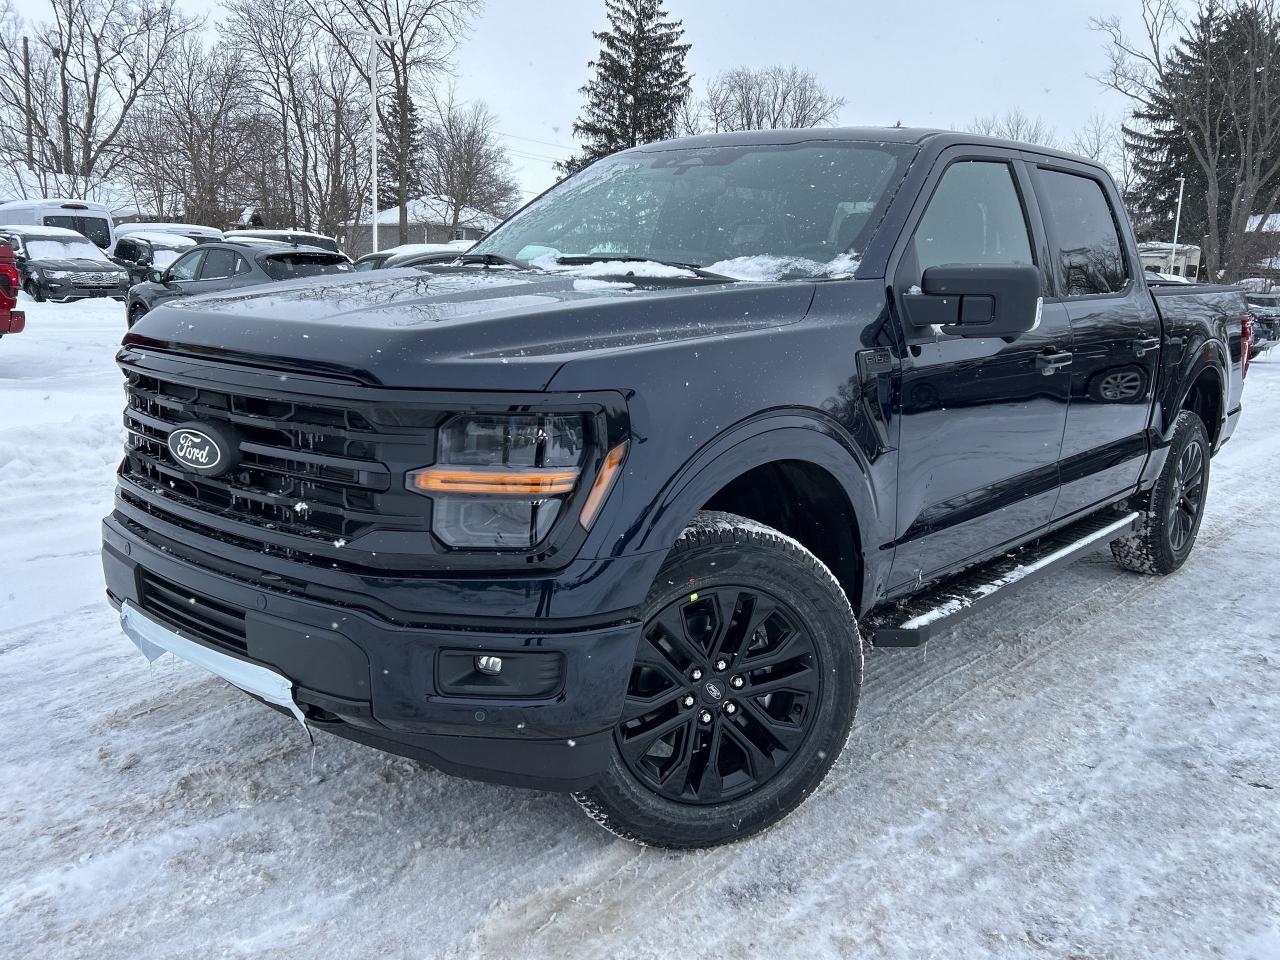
[11, 320]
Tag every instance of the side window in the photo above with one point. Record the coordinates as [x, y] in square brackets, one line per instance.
[218, 265]
[185, 267]
[1083, 233]
[974, 216]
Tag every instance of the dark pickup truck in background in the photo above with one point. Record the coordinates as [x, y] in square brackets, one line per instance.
[611, 504]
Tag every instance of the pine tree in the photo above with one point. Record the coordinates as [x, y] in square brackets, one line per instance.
[389, 156]
[639, 82]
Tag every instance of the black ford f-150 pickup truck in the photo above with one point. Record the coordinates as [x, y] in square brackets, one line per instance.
[612, 503]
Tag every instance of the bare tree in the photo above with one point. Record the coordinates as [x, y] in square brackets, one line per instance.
[1015, 125]
[423, 35]
[765, 98]
[466, 162]
[89, 67]
[1213, 77]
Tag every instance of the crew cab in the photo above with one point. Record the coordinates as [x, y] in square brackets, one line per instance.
[612, 503]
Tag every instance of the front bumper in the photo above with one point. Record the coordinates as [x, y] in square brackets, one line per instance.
[376, 682]
[64, 291]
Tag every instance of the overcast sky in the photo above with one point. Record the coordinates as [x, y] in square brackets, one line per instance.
[921, 62]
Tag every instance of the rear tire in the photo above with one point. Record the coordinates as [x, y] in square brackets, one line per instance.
[1167, 532]
[743, 609]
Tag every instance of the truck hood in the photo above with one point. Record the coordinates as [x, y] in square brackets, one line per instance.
[460, 328]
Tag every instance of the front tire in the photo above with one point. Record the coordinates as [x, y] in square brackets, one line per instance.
[1167, 532]
[33, 291]
[135, 314]
[742, 693]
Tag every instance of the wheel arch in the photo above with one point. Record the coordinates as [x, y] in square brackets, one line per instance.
[1205, 395]
[792, 471]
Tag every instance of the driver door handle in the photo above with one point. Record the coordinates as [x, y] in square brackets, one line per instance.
[1047, 363]
[1146, 345]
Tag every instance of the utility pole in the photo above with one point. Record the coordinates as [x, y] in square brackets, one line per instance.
[26, 92]
[374, 37]
[1177, 222]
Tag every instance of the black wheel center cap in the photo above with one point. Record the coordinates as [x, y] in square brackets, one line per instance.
[712, 692]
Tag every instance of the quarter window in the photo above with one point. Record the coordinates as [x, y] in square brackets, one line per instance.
[975, 216]
[1083, 233]
[220, 264]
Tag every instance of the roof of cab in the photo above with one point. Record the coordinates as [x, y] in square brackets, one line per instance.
[34, 230]
[919, 136]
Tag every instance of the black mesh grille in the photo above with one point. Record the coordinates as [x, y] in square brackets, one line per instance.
[200, 618]
[310, 477]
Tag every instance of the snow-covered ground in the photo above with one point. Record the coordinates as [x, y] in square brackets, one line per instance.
[1090, 771]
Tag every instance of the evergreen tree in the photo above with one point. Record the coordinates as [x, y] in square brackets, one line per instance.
[389, 160]
[639, 84]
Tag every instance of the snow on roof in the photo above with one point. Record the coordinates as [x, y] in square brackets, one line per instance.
[1164, 246]
[162, 238]
[36, 231]
[434, 211]
[1271, 225]
[134, 229]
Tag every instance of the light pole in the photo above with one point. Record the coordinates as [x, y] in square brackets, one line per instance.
[1177, 222]
[374, 37]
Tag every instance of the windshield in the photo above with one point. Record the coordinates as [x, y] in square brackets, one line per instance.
[751, 212]
[47, 248]
[161, 257]
[287, 266]
[1259, 300]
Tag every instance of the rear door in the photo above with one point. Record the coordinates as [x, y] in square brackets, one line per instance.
[222, 269]
[1115, 330]
[982, 418]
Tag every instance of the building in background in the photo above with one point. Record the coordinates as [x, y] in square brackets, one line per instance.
[1186, 258]
[430, 221]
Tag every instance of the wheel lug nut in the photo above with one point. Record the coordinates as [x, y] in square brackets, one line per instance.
[722, 664]
[695, 674]
[688, 701]
[705, 716]
[736, 683]
[730, 708]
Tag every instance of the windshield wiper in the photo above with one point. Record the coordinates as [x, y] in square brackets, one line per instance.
[585, 258]
[492, 260]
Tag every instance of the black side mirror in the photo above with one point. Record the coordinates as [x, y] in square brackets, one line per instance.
[146, 255]
[155, 276]
[976, 300]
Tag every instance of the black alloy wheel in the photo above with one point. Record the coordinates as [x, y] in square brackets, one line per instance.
[720, 696]
[1186, 499]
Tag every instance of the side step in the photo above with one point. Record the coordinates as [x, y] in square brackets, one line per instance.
[916, 619]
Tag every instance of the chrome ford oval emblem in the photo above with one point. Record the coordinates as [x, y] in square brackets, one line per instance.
[196, 450]
[713, 690]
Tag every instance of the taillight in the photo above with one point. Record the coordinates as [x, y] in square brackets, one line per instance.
[1246, 344]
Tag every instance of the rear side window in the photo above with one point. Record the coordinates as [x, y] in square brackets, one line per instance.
[1082, 233]
[975, 216]
[220, 264]
[287, 266]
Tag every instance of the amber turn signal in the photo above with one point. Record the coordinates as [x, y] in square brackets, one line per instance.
[531, 484]
[603, 484]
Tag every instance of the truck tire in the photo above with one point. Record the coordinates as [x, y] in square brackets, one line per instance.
[33, 291]
[742, 693]
[1174, 508]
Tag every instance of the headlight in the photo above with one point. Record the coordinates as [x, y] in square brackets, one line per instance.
[57, 274]
[502, 481]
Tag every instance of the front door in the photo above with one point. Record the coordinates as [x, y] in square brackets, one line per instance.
[982, 418]
[1116, 334]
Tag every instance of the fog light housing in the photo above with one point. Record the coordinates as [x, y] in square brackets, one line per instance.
[522, 674]
[489, 665]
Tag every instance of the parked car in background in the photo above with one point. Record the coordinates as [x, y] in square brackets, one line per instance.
[140, 253]
[227, 265]
[1264, 314]
[192, 231]
[11, 320]
[89, 219]
[63, 265]
[396, 256]
[300, 237]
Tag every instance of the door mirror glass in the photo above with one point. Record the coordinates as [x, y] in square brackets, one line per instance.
[156, 276]
[977, 299]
